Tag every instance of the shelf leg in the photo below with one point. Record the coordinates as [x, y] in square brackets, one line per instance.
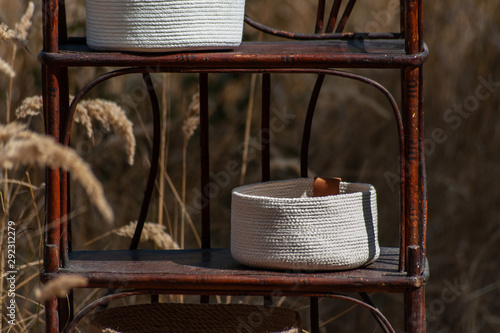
[314, 314]
[415, 298]
[205, 162]
[53, 195]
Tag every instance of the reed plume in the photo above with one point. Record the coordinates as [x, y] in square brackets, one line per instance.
[111, 114]
[192, 119]
[191, 122]
[151, 231]
[6, 68]
[109, 330]
[18, 35]
[108, 113]
[30, 107]
[21, 146]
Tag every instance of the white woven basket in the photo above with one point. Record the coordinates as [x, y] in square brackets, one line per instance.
[164, 25]
[280, 225]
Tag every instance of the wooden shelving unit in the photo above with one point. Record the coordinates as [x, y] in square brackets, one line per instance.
[209, 271]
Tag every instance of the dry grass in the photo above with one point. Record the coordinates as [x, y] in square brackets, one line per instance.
[60, 286]
[109, 330]
[21, 146]
[6, 68]
[151, 232]
[107, 113]
[18, 35]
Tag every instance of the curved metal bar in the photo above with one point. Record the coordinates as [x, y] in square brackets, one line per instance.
[333, 16]
[368, 300]
[306, 136]
[156, 135]
[305, 36]
[320, 16]
[382, 320]
[101, 301]
[304, 152]
[399, 123]
[155, 157]
[85, 90]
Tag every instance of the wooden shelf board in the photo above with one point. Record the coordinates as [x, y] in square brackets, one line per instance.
[349, 53]
[215, 271]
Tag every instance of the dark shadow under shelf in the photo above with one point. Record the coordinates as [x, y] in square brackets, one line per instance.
[214, 271]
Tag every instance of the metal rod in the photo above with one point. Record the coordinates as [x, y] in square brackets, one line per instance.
[205, 163]
[314, 314]
[265, 128]
[50, 18]
[305, 36]
[411, 106]
[320, 16]
[422, 170]
[155, 156]
[333, 16]
[306, 136]
[62, 24]
[368, 300]
[402, 191]
[65, 200]
[99, 302]
[345, 16]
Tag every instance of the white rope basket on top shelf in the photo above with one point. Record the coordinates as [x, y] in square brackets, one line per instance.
[281, 225]
[164, 25]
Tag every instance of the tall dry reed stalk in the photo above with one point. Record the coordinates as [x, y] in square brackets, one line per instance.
[14, 37]
[191, 122]
[151, 231]
[107, 113]
[60, 286]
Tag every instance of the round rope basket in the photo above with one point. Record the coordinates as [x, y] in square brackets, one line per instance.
[280, 225]
[164, 25]
[196, 318]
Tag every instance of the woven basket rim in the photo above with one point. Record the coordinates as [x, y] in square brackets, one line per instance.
[237, 191]
[164, 26]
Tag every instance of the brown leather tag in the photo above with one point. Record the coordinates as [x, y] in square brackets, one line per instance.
[325, 186]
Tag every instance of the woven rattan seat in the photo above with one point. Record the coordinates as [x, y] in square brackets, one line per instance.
[196, 318]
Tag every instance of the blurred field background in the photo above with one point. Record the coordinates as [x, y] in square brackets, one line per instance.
[354, 138]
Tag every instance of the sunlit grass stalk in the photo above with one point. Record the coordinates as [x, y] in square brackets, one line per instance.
[248, 126]
[181, 204]
[161, 191]
[191, 122]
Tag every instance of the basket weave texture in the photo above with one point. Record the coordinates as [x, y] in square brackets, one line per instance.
[196, 318]
[280, 225]
[163, 25]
